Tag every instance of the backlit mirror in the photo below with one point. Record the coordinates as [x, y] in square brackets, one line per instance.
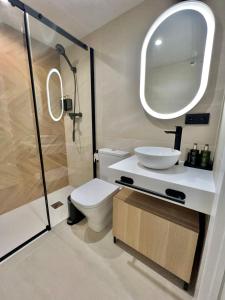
[175, 60]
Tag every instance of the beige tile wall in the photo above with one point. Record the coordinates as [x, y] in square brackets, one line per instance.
[52, 133]
[121, 121]
[21, 179]
[79, 154]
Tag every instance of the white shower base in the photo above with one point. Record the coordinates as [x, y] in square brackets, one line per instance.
[21, 224]
[56, 215]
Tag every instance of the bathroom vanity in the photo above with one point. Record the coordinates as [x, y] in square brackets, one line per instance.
[184, 186]
[166, 235]
[157, 212]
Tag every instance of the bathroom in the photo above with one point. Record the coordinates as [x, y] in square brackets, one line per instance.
[97, 47]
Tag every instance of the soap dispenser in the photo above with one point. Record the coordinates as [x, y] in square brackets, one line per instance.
[194, 155]
[205, 157]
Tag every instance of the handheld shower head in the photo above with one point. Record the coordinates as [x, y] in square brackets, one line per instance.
[60, 49]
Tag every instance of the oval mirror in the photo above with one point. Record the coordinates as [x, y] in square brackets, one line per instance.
[175, 60]
[54, 107]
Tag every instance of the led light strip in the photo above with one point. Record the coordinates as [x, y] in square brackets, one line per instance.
[52, 71]
[206, 12]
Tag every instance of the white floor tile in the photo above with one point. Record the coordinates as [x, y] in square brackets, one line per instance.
[73, 262]
[17, 226]
[20, 224]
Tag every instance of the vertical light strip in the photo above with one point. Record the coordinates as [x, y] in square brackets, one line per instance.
[206, 12]
[54, 71]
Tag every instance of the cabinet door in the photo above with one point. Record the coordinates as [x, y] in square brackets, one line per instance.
[126, 223]
[170, 245]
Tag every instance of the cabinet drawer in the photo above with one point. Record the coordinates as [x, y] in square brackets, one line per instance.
[169, 244]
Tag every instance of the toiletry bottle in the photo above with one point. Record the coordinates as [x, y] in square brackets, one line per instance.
[194, 154]
[205, 157]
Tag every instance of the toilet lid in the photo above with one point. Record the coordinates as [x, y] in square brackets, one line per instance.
[92, 193]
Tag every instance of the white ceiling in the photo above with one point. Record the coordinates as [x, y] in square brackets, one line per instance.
[81, 17]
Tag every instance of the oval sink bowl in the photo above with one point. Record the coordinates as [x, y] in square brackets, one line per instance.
[157, 157]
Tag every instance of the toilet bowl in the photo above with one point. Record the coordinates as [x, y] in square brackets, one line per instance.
[94, 198]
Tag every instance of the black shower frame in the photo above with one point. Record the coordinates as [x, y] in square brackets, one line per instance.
[28, 10]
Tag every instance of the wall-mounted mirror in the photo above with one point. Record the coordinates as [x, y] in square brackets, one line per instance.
[175, 60]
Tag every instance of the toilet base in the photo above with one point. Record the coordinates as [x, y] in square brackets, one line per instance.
[94, 199]
[98, 227]
[75, 216]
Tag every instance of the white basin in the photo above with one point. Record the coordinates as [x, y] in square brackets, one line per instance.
[157, 157]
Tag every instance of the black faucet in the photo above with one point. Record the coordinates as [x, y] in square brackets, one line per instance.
[178, 136]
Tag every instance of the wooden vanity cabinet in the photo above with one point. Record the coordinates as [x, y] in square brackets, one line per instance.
[164, 232]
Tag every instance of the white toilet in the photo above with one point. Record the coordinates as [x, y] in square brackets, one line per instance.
[94, 198]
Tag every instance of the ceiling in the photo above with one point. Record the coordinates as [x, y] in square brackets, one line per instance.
[81, 17]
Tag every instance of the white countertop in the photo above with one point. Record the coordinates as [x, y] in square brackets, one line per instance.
[179, 174]
[198, 185]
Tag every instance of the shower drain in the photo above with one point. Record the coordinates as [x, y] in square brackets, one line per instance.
[56, 204]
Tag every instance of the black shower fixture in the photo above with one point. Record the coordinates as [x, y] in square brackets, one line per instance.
[61, 50]
[67, 103]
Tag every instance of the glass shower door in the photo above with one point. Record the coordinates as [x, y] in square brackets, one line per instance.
[65, 129]
[23, 212]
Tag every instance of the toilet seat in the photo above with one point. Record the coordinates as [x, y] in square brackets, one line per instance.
[93, 193]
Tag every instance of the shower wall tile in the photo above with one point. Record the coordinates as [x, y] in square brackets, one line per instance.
[52, 133]
[79, 154]
[20, 180]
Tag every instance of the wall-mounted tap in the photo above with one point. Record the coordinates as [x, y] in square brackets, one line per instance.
[178, 136]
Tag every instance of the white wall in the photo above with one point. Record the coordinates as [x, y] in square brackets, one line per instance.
[222, 292]
[212, 269]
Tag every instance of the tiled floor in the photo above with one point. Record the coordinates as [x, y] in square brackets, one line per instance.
[71, 263]
[56, 215]
[20, 224]
[17, 226]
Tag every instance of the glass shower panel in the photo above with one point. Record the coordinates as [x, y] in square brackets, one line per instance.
[22, 204]
[66, 143]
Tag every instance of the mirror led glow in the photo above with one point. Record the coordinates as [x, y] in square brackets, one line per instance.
[207, 14]
[51, 72]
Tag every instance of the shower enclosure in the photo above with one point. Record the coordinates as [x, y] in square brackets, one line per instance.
[47, 122]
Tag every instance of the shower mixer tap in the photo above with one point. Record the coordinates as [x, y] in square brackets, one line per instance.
[68, 103]
[75, 115]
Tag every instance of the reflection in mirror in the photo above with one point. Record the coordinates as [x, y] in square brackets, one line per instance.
[175, 60]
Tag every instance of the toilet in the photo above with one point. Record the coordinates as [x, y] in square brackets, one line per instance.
[94, 198]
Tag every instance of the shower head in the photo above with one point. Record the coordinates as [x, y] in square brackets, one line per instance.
[61, 50]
